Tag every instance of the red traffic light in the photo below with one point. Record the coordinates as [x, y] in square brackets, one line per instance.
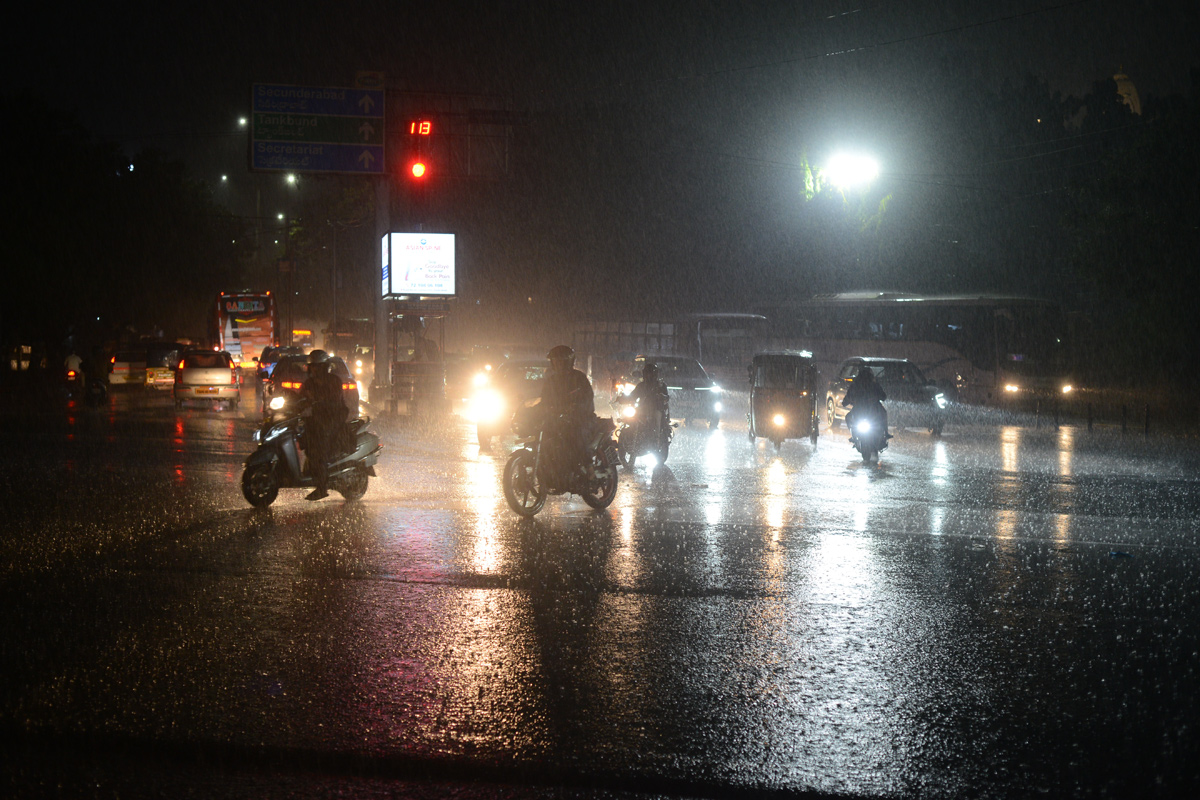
[418, 169]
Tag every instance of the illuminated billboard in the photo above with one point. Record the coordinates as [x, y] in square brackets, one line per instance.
[418, 264]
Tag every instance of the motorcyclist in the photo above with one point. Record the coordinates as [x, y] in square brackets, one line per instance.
[324, 390]
[865, 398]
[651, 398]
[568, 402]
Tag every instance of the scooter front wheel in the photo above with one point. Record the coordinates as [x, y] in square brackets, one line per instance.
[259, 486]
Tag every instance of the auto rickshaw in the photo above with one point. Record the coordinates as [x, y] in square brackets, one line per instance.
[783, 396]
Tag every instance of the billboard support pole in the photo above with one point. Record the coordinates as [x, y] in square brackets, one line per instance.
[383, 344]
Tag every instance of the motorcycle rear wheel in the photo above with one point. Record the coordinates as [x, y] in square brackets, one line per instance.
[605, 467]
[523, 491]
[259, 486]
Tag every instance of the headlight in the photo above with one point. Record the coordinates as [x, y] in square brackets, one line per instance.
[629, 412]
[779, 419]
[717, 406]
[480, 380]
[358, 363]
[625, 388]
[940, 399]
[863, 426]
[716, 388]
[488, 406]
[277, 403]
[1068, 389]
[1012, 387]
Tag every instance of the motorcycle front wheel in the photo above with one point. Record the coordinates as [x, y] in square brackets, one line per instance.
[522, 489]
[259, 486]
[601, 493]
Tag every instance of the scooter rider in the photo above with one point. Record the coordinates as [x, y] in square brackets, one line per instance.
[567, 394]
[651, 397]
[866, 397]
[329, 413]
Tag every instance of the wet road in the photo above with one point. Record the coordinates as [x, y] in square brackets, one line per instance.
[1004, 611]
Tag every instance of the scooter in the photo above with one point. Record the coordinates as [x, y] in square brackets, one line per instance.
[868, 433]
[276, 465]
[637, 437]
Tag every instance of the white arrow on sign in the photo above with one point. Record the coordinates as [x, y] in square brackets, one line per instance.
[366, 103]
[366, 129]
[366, 159]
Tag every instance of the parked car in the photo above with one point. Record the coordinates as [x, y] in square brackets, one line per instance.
[501, 392]
[692, 391]
[127, 366]
[912, 399]
[207, 375]
[289, 374]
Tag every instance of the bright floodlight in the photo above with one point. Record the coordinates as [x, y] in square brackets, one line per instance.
[848, 170]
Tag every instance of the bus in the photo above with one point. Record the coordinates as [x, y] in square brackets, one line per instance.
[244, 324]
[986, 349]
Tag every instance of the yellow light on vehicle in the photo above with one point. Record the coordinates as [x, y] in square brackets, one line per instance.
[779, 420]
[1012, 387]
[1068, 389]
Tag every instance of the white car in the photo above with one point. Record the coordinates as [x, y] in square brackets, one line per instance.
[209, 376]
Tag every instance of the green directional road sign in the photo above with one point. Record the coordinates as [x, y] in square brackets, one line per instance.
[316, 129]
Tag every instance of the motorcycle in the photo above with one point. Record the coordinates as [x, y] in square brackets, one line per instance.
[275, 464]
[539, 467]
[638, 436]
[868, 432]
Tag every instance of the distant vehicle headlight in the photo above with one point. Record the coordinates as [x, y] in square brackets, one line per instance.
[717, 406]
[629, 412]
[716, 388]
[779, 419]
[940, 399]
[863, 426]
[1012, 387]
[480, 380]
[277, 403]
[1068, 389]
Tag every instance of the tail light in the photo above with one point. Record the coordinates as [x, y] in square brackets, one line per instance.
[70, 373]
[348, 386]
[233, 376]
[291, 384]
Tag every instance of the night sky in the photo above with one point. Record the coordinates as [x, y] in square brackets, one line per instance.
[659, 163]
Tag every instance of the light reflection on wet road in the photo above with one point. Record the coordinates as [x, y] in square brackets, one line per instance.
[1001, 611]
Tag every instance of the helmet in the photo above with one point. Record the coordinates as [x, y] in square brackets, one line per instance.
[649, 371]
[865, 373]
[562, 353]
[318, 357]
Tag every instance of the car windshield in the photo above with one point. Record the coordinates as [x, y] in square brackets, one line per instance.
[680, 369]
[516, 371]
[898, 372]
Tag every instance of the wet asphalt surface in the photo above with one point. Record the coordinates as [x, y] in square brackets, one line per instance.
[1005, 611]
